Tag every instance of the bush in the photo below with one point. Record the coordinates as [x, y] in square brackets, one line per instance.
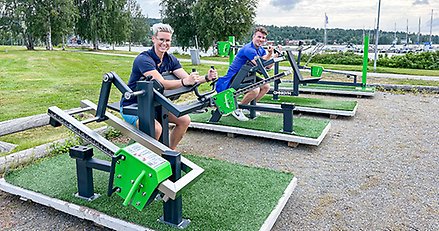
[58, 148]
[112, 133]
[424, 60]
[346, 58]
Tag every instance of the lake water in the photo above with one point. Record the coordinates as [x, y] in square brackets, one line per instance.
[210, 52]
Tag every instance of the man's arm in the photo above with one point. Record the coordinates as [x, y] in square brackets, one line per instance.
[172, 84]
[270, 55]
[182, 74]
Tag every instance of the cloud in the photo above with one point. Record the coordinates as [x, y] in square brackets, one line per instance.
[286, 4]
[420, 2]
[434, 24]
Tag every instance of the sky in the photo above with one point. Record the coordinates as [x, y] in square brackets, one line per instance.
[345, 14]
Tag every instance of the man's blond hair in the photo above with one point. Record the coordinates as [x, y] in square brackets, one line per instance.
[160, 27]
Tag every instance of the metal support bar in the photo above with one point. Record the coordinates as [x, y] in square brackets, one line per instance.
[146, 109]
[266, 108]
[83, 131]
[104, 95]
[163, 119]
[339, 83]
[276, 82]
[173, 208]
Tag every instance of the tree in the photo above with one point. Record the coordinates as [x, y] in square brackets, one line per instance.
[35, 19]
[138, 24]
[54, 18]
[118, 22]
[216, 20]
[179, 14]
[10, 26]
[92, 22]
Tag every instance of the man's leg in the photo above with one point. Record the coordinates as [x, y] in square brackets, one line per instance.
[263, 90]
[158, 128]
[251, 95]
[181, 125]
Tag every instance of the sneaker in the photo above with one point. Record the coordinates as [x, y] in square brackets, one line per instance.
[239, 115]
[247, 112]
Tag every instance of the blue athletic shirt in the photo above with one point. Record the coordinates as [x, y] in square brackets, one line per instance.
[148, 61]
[246, 53]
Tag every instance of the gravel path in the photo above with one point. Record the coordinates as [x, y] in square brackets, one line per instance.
[376, 171]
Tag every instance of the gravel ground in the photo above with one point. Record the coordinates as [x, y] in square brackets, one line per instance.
[376, 171]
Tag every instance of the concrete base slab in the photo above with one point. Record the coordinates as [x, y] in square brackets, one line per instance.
[70, 208]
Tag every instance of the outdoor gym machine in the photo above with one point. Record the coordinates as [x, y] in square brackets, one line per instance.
[316, 71]
[297, 78]
[245, 81]
[139, 171]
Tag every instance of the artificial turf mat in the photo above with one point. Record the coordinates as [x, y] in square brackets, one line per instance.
[343, 105]
[304, 127]
[330, 87]
[338, 87]
[226, 197]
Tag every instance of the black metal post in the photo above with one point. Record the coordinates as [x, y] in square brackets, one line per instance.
[173, 209]
[216, 116]
[162, 118]
[146, 109]
[84, 174]
[104, 96]
[287, 109]
[299, 56]
[252, 111]
[296, 83]
[276, 89]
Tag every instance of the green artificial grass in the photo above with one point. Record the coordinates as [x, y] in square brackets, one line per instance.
[338, 87]
[226, 197]
[330, 87]
[304, 127]
[343, 105]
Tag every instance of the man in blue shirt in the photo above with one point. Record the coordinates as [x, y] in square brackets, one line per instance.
[154, 62]
[247, 53]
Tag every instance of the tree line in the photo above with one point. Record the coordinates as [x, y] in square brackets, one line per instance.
[110, 21]
[196, 23]
[342, 36]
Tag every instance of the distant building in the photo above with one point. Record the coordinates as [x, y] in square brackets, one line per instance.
[294, 42]
[270, 43]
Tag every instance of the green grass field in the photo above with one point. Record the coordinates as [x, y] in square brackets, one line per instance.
[226, 197]
[32, 81]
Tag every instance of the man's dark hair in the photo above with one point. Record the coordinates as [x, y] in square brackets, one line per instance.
[261, 29]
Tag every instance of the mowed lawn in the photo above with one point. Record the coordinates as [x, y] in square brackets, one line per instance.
[32, 81]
